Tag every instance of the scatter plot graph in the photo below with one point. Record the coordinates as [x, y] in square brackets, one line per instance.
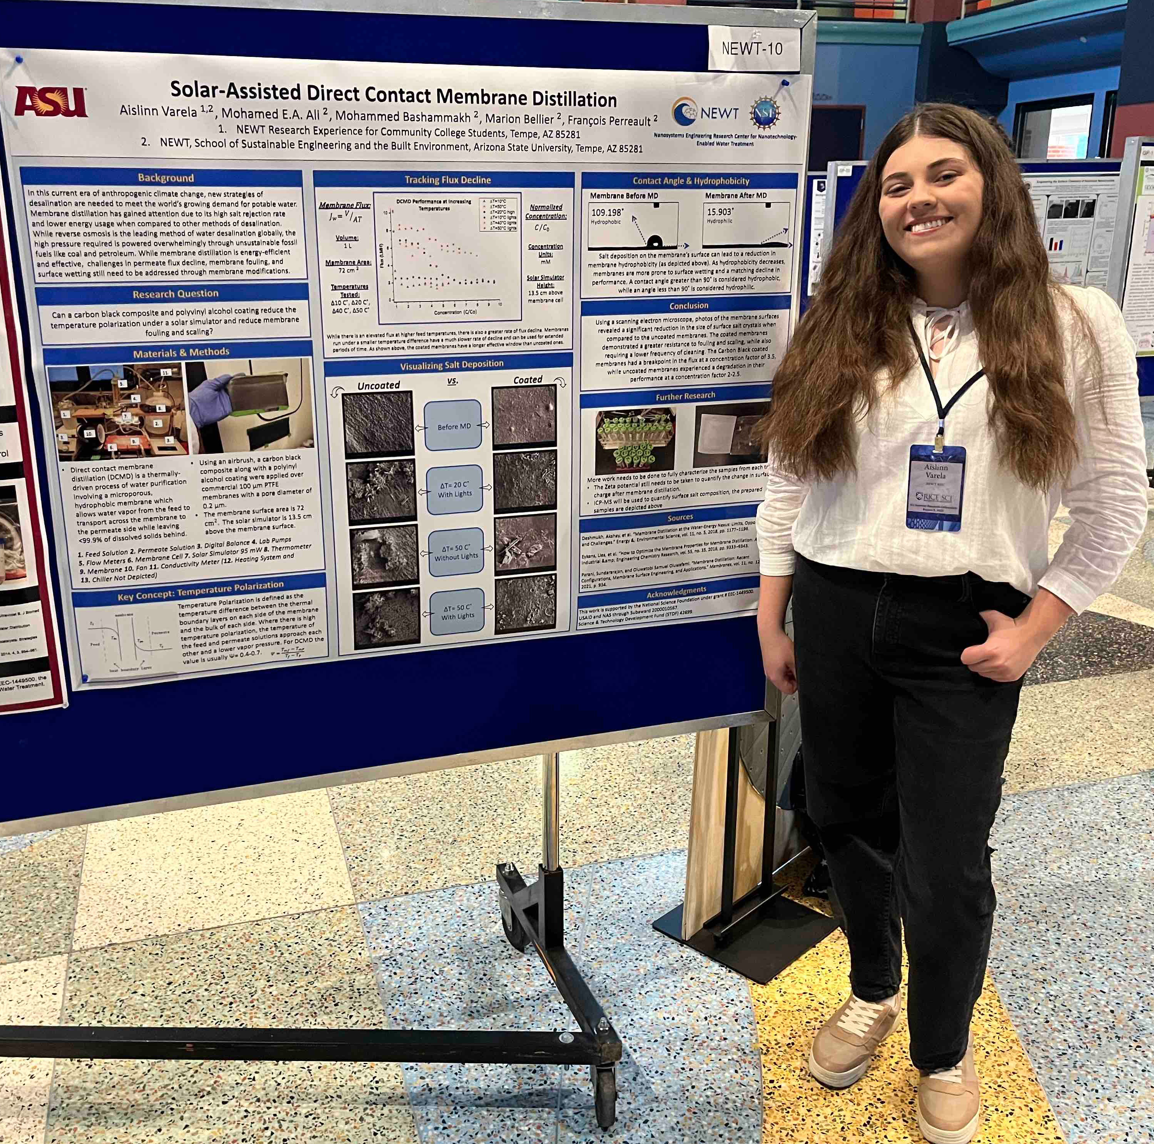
[447, 257]
[746, 224]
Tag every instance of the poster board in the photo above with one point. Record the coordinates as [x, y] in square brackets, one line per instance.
[1076, 205]
[841, 180]
[814, 237]
[1131, 277]
[31, 668]
[620, 651]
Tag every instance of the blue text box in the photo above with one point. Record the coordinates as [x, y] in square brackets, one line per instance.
[668, 396]
[456, 551]
[177, 351]
[454, 488]
[452, 425]
[154, 176]
[455, 612]
[673, 180]
[417, 366]
[440, 180]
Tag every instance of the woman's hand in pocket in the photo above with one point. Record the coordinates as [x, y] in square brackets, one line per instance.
[1013, 645]
[1008, 652]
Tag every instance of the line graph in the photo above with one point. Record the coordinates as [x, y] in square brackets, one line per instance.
[128, 644]
[447, 257]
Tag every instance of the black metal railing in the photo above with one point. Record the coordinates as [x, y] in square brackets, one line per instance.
[826, 9]
[977, 7]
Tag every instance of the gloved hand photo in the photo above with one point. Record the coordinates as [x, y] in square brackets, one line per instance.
[210, 402]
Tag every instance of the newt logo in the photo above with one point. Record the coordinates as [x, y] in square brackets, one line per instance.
[51, 101]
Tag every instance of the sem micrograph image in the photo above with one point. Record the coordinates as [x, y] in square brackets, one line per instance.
[383, 556]
[525, 480]
[526, 603]
[526, 543]
[382, 619]
[524, 415]
[381, 491]
[378, 424]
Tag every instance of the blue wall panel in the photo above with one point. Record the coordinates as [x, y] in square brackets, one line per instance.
[880, 76]
[1097, 82]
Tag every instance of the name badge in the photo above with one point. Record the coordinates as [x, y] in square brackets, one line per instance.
[934, 496]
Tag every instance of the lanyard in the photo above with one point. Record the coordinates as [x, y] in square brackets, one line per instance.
[940, 439]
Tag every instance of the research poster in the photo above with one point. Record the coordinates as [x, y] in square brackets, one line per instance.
[817, 209]
[346, 359]
[31, 666]
[1138, 287]
[1076, 214]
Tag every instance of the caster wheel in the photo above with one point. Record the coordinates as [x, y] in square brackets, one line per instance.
[514, 932]
[605, 1096]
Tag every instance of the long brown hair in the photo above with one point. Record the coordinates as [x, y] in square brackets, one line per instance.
[856, 326]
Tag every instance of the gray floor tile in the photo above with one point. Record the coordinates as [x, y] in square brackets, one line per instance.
[1073, 950]
[307, 971]
[691, 1070]
[39, 884]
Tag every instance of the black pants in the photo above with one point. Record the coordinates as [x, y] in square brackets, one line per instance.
[904, 748]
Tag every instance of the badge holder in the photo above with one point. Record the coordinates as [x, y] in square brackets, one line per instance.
[936, 483]
[937, 476]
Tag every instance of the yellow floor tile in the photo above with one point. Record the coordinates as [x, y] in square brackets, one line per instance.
[879, 1109]
[211, 866]
[31, 993]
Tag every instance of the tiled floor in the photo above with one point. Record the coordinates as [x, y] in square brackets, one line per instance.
[1074, 950]
[373, 905]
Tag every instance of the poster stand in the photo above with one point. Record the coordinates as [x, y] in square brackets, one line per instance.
[514, 688]
[761, 933]
[530, 914]
[1130, 264]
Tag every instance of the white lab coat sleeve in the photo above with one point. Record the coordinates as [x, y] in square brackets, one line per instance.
[1107, 490]
[784, 495]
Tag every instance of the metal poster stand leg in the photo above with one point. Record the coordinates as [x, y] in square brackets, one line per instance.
[535, 913]
[762, 932]
[530, 914]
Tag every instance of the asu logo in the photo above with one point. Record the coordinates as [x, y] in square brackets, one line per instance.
[51, 101]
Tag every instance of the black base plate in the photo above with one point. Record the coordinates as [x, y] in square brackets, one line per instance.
[769, 942]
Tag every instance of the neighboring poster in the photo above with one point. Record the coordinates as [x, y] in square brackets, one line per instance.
[1076, 214]
[1138, 285]
[817, 203]
[31, 671]
[355, 358]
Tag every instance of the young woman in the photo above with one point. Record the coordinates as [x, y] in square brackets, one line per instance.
[940, 399]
